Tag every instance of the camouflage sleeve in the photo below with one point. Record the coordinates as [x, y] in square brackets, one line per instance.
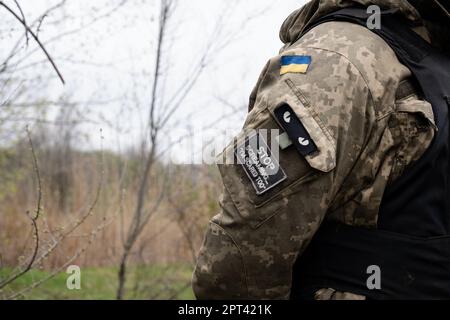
[252, 244]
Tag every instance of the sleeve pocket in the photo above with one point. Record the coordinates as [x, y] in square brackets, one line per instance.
[413, 128]
[255, 208]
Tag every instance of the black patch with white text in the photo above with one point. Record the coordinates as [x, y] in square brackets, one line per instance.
[296, 130]
[260, 164]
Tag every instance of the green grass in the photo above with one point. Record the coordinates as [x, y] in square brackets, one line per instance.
[153, 282]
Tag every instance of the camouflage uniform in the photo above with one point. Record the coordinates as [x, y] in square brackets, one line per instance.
[366, 137]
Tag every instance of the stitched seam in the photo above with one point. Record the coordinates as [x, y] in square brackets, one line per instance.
[408, 96]
[314, 114]
[298, 93]
[385, 115]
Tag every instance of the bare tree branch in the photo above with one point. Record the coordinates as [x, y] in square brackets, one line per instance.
[24, 19]
[139, 220]
[35, 37]
[34, 219]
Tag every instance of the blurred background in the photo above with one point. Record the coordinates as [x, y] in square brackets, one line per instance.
[109, 111]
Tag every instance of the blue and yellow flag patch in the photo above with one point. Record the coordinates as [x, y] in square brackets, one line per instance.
[295, 64]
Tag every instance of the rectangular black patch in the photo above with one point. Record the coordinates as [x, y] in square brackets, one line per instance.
[259, 163]
[295, 129]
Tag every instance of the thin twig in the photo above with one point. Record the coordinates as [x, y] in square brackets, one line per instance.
[82, 219]
[82, 250]
[35, 37]
[24, 20]
[34, 220]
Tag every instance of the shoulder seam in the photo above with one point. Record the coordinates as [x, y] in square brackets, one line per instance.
[349, 61]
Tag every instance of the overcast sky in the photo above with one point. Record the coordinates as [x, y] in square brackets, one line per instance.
[112, 59]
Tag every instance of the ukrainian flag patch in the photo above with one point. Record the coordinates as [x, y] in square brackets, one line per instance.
[295, 64]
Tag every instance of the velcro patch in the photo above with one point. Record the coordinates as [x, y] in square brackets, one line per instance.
[260, 164]
[296, 130]
[295, 64]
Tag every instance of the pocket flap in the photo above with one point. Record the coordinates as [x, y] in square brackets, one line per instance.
[422, 107]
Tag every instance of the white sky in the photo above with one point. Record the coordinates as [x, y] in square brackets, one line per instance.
[119, 55]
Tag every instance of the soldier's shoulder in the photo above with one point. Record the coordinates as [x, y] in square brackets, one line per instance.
[367, 52]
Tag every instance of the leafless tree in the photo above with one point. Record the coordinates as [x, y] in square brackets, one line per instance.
[41, 249]
[142, 216]
[151, 192]
[161, 111]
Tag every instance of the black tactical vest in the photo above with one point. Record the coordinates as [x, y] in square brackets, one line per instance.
[411, 246]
